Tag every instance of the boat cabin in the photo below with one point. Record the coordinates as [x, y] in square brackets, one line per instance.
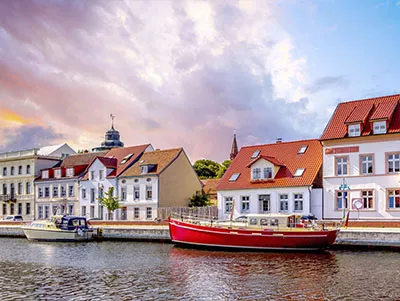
[269, 220]
[69, 222]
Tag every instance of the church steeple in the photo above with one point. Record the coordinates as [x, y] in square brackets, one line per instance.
[234, 150]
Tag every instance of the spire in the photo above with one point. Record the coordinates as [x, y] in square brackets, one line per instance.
[234, 150]
[112, 120]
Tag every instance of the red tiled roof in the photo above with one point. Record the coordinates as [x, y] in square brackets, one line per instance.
[108, 162]
[384, 107]
[286, 153]
[81, 159]
[360, 113]
[273, 160]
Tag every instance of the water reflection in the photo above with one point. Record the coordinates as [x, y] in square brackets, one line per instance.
[146, 271]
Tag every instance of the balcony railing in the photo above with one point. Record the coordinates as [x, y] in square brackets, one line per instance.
[15, 197]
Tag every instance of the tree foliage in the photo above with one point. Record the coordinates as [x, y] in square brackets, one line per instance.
[109, 201]
[208, 169]
[199, 200]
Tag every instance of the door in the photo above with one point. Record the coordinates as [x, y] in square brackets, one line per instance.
[264, 203]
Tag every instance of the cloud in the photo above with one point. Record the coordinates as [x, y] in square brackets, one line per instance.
[26, 137]
[328, 82]
[175, 73]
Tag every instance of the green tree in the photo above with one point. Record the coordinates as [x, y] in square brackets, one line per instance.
[223, 167]
[199, 200]
[110, 201]
[206, 169]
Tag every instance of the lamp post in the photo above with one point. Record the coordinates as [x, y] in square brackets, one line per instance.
[344, 188]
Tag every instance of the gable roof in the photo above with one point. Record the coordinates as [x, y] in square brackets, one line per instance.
[80, 159]
[108, 162]
[364, 111]
[209, 185]
[273, 160]
[285, 153]
[161, 159]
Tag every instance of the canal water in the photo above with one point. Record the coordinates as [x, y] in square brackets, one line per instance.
[155, 271]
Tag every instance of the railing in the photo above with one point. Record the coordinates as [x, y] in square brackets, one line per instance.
[209, 212]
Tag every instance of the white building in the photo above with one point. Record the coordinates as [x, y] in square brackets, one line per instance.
[281, 177]
[361, 147]
[18, 170]
[101, 174]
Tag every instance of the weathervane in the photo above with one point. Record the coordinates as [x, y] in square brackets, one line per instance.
[112, 120]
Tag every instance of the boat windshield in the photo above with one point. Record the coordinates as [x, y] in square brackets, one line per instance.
[70, 223]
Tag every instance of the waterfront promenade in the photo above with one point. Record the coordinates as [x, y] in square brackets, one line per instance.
[351, 237]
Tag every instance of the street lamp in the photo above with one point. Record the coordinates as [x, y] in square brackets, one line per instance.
[344, 188]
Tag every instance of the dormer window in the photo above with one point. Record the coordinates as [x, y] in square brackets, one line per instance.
[299, 172]
[57, 173]
[267, 172]
[256, 173]
[255, 154]
[354, 130]
[380, 127]
[45, 174]
[144, 169]
[70, 172]
[302, 149]
[234, 177]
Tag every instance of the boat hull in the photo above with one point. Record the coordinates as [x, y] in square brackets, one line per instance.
[205, 236]
[56, 235]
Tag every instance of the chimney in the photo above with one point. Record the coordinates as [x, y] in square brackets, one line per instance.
[279, 140]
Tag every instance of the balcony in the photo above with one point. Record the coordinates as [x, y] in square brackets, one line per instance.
[8, 198]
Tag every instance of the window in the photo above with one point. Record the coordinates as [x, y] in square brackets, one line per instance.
[354, 130]
[20, 188]
[28, 169]
[267, 172]
[83, 210]
[12, 209]
[4, 209]
[368, 199]
[20, 170]
[298, 201]
[136, 213]
[4, 171]
[55, 191]
[19, 209]
[28, 188]
[92, 195]
[149, 213]
[12, 171]
[123, 194]
[28, 208]
[341, 166]
[12, 190]
[126, 159]
[255, 154]
[245, 204]
[4, 189]
[393, 163]
[40, 192]
[265, 202]
[136, 192]
[71, 190]
[299, 172]
[149, 192]
[63, 191]
[380, 127]
[228, 204]
[367, 165]
[91, 214]
[302, 149]
[234, 177]
[46, 211]
[341, 200]
[40, 212]
[256, 173]
[92, 174]
[57, 173]
[394, 199]
[283, 202]
[46, 192]
[83, 193]
[101, 174]
[70, 172]
[70, 209]
[143, 169]
[45, 174]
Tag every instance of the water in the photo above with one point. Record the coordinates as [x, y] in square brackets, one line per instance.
[152, 271]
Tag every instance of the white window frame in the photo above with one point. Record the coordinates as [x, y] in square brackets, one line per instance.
[267, 170]
[380, 127]
[256, 173]
[149, 213]
[123, 194]
[368, 196]
[92, 175]
[83, 193]
[55, 191]
[245, 204]
[354, 130]
[228, 201]
[392, 193]
[101, 174]
[136, 213]
[45, 174]
[395, 160]
[367, 161]
[136, 192]
[70, 172]
[341, 162]
[298, 198]
[71, 191]
[284, 199]
[57, 173]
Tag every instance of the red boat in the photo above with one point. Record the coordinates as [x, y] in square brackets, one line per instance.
[253, 231]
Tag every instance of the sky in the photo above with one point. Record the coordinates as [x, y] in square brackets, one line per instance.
[189, 73]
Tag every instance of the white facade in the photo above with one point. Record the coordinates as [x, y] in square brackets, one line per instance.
[139, 197]
[90, 190]
[296, 200]
[364, 166]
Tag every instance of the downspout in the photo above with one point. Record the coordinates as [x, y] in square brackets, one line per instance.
[310, 198]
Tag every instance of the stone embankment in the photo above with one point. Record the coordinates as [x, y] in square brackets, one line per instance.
[358, 235]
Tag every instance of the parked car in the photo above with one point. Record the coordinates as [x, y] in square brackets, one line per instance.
[17, 218]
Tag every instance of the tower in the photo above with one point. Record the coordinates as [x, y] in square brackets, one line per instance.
[111, 140]
[234, 150]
